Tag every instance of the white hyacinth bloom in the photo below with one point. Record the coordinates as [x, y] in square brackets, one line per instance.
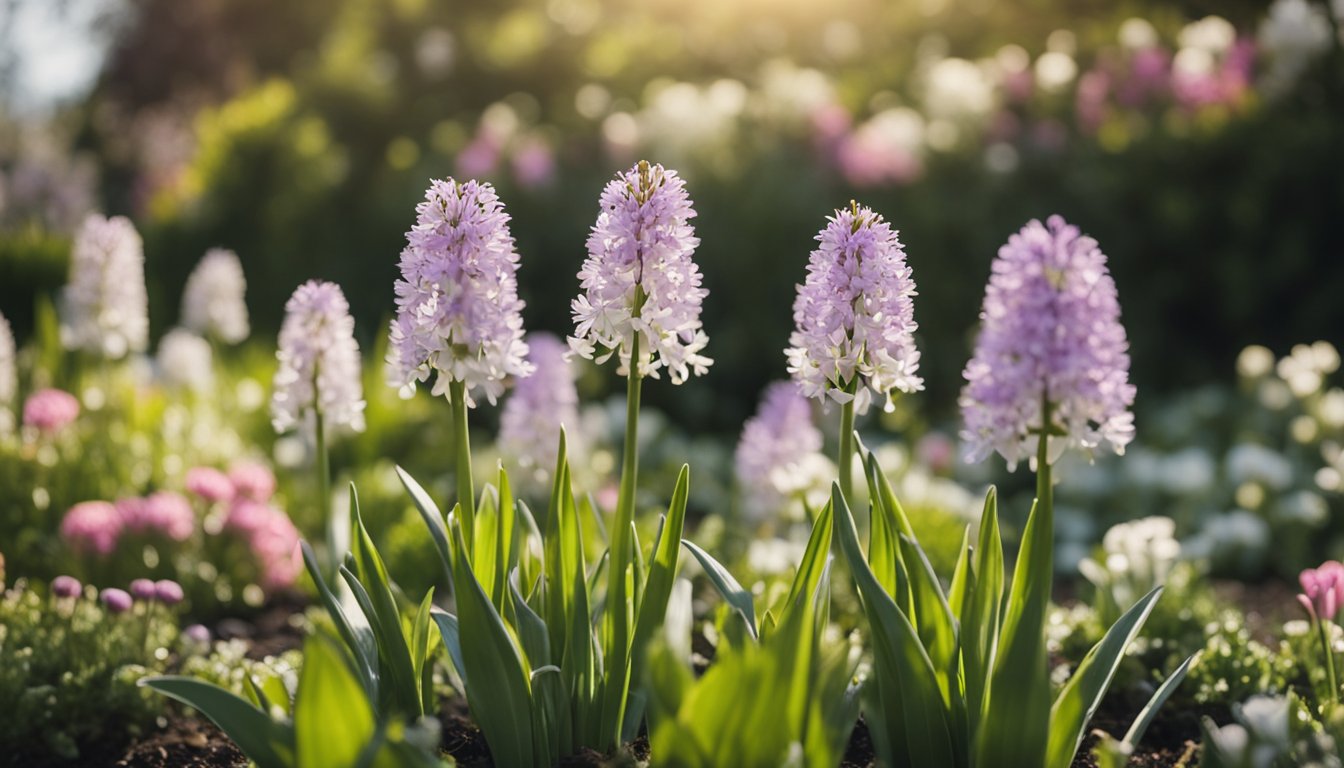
[104, 306]
[185, 360]
[212, 301]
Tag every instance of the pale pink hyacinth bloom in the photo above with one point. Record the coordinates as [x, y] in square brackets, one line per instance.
[213, 301]
[459, 318]
[252, 480]
[774, 445]
[319, 370]
[1322, 590]
[50, 410]
[92, 527]
[542, 403]
[639, 279]
[209, 484]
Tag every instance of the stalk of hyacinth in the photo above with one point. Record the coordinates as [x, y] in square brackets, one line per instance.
[213, 302]
[774, 446]
[459, 317]
[9, 380]
[185, 360]
[1322, 595]
[854, 320]
[104, 305]
[1050, 367]
[641, 302]
[317, 383]
[1052, 358]
[541, 405]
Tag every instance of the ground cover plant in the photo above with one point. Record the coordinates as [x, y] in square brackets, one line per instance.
[1024, 484]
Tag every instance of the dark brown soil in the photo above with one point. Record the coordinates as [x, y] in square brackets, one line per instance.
[185, 743]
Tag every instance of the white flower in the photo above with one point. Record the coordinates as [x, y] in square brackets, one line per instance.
[1250, 462]
[184, 360]
[319, 362]
[212, 302]
[9, 382]
[104, 306]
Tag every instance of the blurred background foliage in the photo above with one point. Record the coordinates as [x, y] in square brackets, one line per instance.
[302, 134]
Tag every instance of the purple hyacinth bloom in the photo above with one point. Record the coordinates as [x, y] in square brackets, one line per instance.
[775, 444]
[143, 589]
[116, 600]
[66, 586]
[639, 278]
[1050, 333]
[168, 592]
[459, 317]
[542, 403]
[855, 314]
[319, 369]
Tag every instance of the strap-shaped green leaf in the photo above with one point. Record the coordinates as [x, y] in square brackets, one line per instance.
[980, 612]
[452, 639]
[394, 652]
[816, 559]
[1160, 696]
[901, 663]
[1019, 730]
[265, 742]
[657, 591]
[498, 692]
[737, 597]
[1084, 691]
[359, 639]
[420, 646]
[429, 512]
[333, 722]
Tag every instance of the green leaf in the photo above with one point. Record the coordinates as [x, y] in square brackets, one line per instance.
[452, 639]
[1084, 691]
[393, 651]
[980, 612]
[915, 714]
[1018, 731]
[816, 559]
[1145, 718]
[265, 742]
[737, 597]
[333, 721]
[359, 640]
[531, 629]
[498, 692]
[420, 645]
[657, 590]
[429, 512]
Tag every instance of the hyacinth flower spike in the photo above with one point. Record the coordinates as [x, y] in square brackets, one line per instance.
[854, 322]
[459, 318]
[317, 384]
[641, 302]
[1322, 595]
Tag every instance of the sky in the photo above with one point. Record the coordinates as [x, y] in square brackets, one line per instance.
[56, 48]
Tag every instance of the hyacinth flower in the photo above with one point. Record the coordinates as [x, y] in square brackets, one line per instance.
[105, 306]
[541, 405]
[854, 322]
[213, 303]
[459, 318]
[970, 663]
[641, 303]
[1322, 595]
[317, 384]
[775, 450]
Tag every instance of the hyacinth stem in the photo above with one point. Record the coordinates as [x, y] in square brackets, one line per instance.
[324, 493]
[618, 600]
[847, 451]
[1323, 631]
[466, 490]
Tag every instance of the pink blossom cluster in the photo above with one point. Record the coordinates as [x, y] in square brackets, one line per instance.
[163, 513]
[271, 537]
[50, 410]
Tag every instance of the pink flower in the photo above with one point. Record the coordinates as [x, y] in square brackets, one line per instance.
[1322, 590]
[92, 526]
[66, 587]
[142, 589]
[252, 480]
[50, 410]
[209, 484]
[271, 537]
[164, 513]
